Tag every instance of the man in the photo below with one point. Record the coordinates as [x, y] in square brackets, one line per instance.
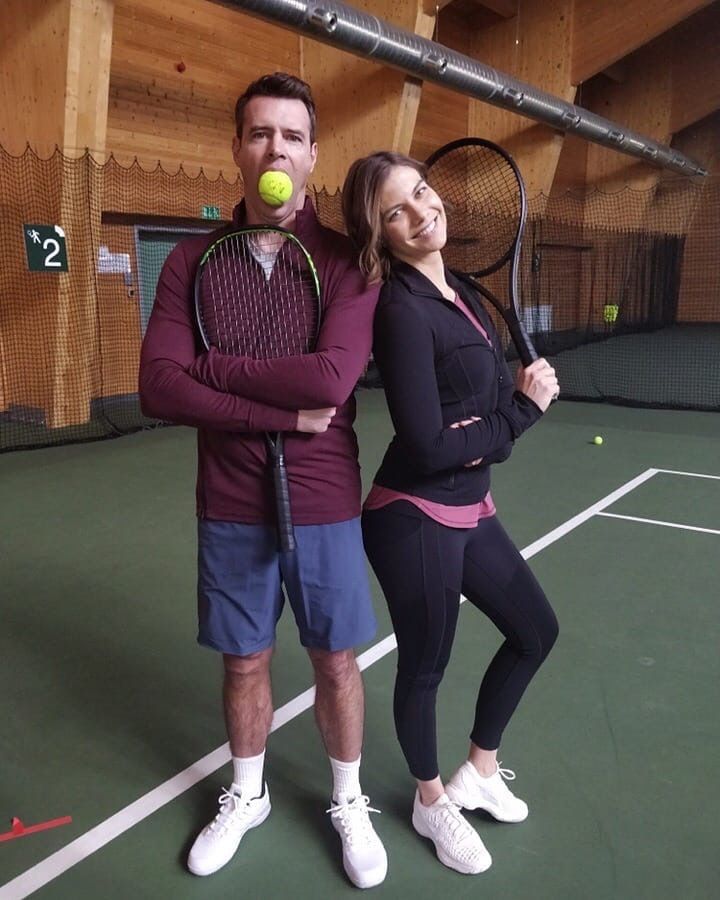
[232, 401]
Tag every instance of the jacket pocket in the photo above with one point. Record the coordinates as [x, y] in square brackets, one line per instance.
[468, 372]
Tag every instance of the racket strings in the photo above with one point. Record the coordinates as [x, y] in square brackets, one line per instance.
[258, 297]
[294, 291]
[225, 276]
[265, 248]
[482, 202]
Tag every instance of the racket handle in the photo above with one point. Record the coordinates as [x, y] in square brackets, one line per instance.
[286, 534]
[524, 346]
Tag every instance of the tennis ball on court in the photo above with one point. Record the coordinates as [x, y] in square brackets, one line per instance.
[597, 440]
[275, 188]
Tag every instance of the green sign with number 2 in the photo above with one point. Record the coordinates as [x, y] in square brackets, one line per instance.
[45, 248]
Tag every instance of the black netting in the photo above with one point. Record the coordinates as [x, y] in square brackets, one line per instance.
[620, 290]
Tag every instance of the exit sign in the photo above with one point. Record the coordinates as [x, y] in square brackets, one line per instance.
[211, 212]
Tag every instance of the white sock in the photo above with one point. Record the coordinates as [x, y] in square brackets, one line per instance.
[248, 775]
[346, 779]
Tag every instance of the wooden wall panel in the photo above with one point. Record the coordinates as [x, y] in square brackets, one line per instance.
[533, 47]
[571, 172]
[668, 84]
[158, 113]
[701, 140]
[643, 103]
[696, 68]
[359, 101]
[33, 65]
[606, 32]
[54, 67]
[443, 114]
[699, 299]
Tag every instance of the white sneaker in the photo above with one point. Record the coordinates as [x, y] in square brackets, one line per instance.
[457, 844]
[217, 842]
[470, 790]
[364, 856]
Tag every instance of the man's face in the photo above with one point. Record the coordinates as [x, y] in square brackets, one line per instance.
[275, 136]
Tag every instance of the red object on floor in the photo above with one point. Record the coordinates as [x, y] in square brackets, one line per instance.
[18, 829]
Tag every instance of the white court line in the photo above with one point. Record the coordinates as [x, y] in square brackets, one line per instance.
[586, 514]
[660, 522]
[689, 474]
[54, 865]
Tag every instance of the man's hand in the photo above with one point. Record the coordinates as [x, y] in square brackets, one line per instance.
[315, 421]
[463, 424]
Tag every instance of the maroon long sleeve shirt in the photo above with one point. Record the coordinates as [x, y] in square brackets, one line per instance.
[233, 400]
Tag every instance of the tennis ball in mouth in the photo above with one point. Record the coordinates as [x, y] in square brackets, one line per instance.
[275, 188]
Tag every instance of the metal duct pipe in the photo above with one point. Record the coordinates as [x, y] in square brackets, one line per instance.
[365, 35]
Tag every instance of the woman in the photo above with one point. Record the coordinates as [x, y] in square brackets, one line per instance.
[429, 522]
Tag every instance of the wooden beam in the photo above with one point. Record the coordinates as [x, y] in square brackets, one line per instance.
[616, 72]
[411, 91]
[506, 9]
[431, 7]
[606, 32]
[696, 69]
[87, 80]
[476, 14]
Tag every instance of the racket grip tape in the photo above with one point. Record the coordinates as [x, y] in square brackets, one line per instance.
[526, 350]
[286, 534]
[525, 347]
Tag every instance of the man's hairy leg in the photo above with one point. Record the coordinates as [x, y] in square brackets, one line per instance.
[247, 701]
[339, 702]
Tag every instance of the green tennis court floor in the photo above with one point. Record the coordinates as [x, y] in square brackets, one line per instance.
[107, 699]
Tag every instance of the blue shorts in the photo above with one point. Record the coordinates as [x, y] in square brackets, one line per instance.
[241, 575]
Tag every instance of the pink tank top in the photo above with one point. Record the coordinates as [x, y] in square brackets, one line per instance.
[453, 516]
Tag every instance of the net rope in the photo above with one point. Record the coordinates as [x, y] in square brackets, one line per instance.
[619, 289]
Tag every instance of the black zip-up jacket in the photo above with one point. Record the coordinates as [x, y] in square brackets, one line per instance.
[438, 369]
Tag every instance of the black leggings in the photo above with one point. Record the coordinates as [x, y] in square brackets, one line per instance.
[423, 567]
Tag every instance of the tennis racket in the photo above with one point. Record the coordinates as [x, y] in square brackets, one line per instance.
[257, 295]
[485, 204]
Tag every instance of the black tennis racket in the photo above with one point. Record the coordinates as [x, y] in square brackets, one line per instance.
[484, 197]
[257, 294]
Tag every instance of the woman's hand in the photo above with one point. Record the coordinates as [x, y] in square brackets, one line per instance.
[538, 382]
[315, 421]
[463, 424]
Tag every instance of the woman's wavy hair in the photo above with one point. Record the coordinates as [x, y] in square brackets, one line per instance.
[361, 208]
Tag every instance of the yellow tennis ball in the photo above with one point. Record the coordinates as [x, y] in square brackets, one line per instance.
[275, 188]
[597, 440]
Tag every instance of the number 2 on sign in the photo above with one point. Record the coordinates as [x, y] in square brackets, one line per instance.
[50, 260]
